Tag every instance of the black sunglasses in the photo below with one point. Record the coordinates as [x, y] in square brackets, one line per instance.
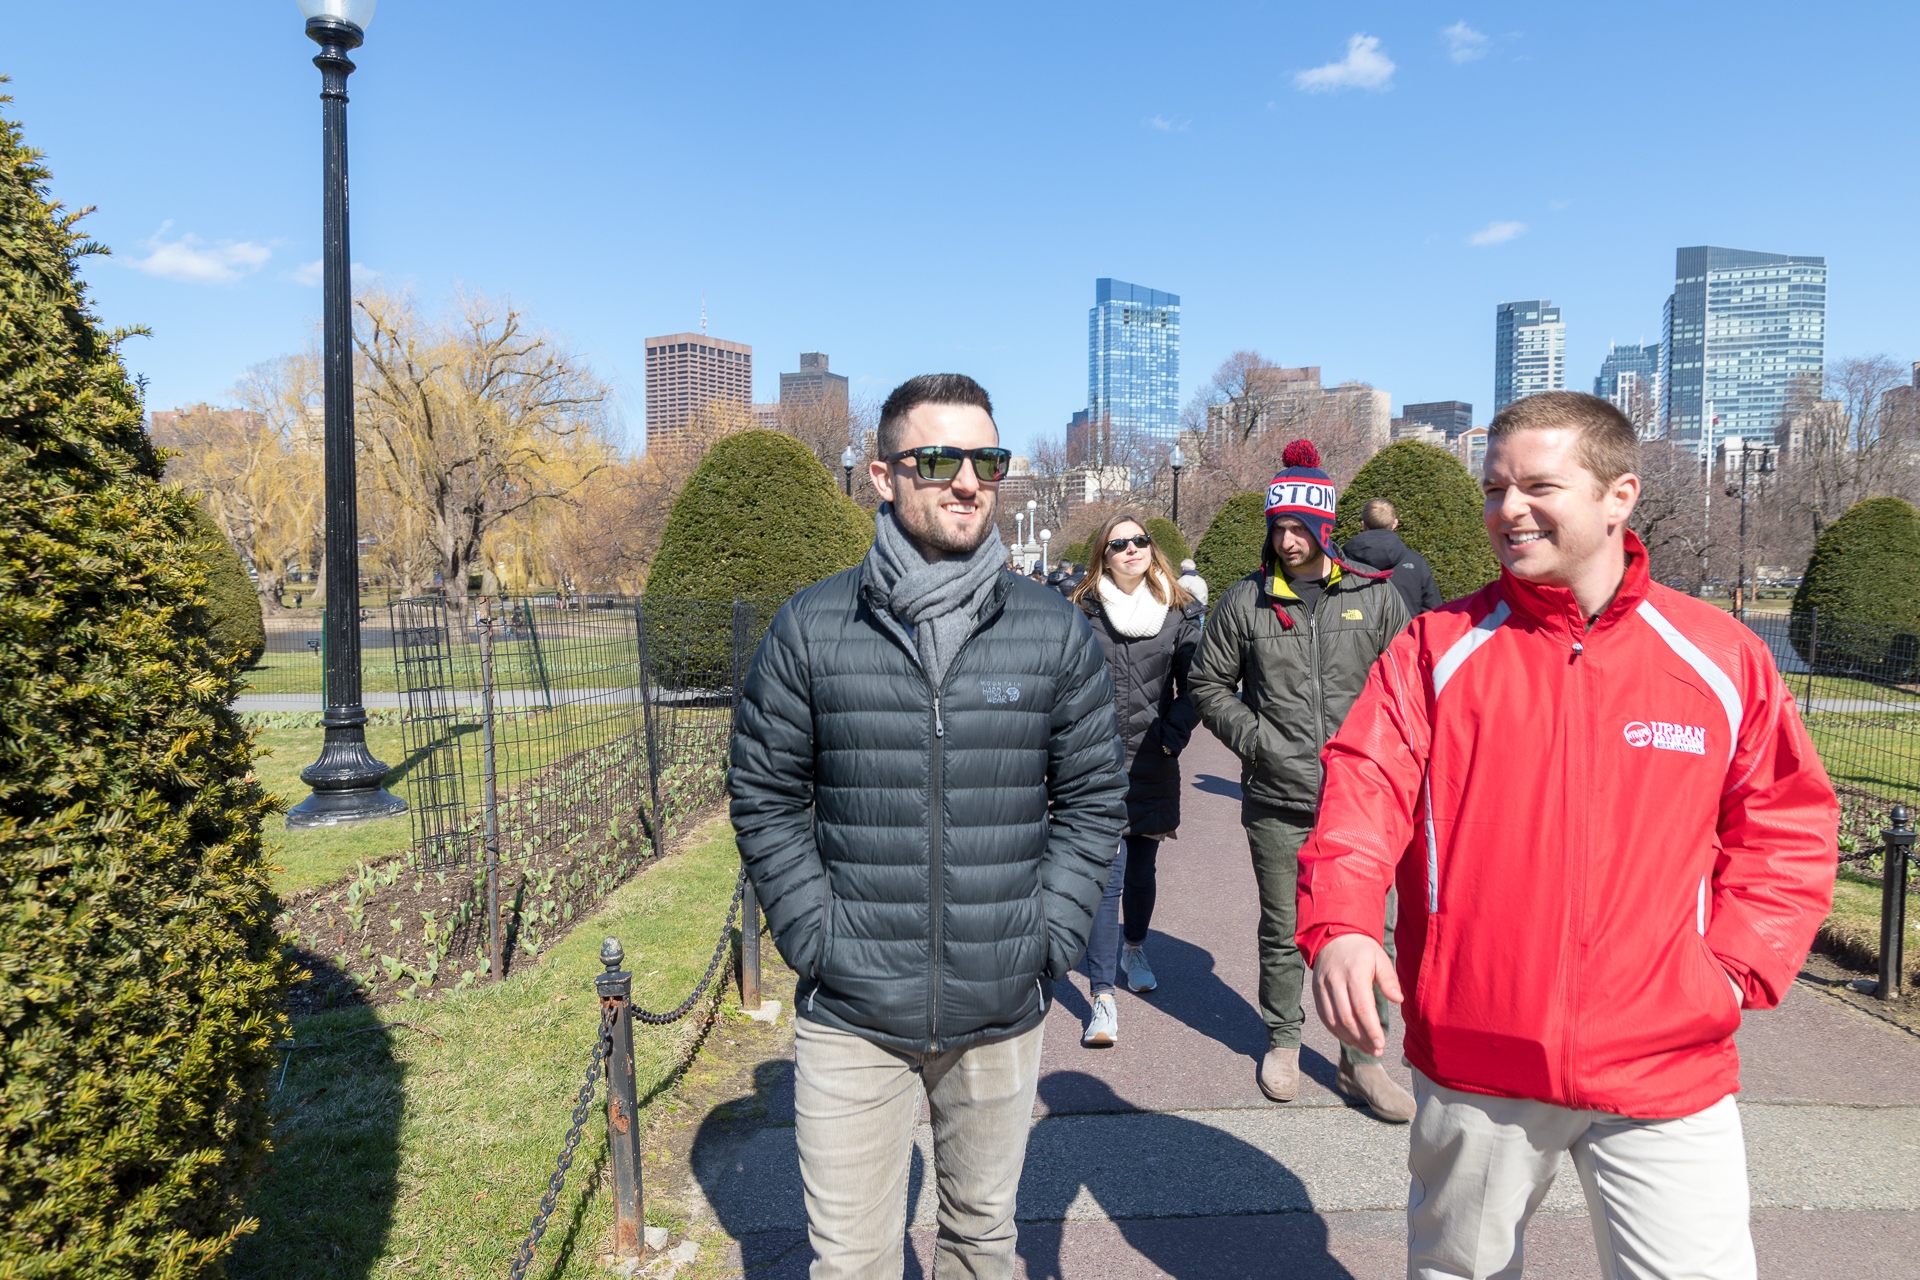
[942, 462]
[1116, 545]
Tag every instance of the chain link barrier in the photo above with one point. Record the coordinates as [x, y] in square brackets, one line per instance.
[583, 1107]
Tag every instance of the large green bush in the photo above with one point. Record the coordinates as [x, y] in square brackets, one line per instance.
[759, 517]
[1863, 583]
[1167, 536]
[140, 975]
[1233, 544]
[234, 605]
[1439, 506]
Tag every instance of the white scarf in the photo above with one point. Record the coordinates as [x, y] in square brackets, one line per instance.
[1135, 616]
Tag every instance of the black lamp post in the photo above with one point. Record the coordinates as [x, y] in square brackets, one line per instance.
[847, 461]
[346, 778]
[1176, 460]
[1764, 468]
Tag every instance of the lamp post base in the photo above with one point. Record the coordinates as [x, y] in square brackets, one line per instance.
[335, 808]
[346, 783]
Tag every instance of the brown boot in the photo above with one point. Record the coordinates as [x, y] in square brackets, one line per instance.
[1280, 1073]
[1370, 1083]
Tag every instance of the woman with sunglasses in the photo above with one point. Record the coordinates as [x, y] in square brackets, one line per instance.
[1148, 627]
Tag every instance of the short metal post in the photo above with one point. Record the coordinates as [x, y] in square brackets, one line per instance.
[1898, 842]
[646, 712]
[623, 1111]
[749, 949]
[490, 800]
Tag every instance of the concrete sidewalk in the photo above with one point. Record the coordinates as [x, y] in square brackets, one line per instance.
[1160, 1157]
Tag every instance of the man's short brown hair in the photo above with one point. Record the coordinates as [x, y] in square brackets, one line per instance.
[928, 388]
[1378, 514]
[1609, 446]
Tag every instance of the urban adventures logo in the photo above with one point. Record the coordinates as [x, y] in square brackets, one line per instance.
[1662, 736]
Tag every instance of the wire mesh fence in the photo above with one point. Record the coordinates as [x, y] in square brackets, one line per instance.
[1858, 685]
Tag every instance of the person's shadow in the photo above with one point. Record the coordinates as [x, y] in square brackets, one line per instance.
[1260, 1219]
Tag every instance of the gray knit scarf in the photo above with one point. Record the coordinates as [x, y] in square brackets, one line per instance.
[939, 601]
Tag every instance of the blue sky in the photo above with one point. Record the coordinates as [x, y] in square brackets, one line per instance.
[914, 188]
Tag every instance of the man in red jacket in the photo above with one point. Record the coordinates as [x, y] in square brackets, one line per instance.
[1610, 833]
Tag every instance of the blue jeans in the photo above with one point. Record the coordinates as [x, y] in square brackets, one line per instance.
[1131, 879]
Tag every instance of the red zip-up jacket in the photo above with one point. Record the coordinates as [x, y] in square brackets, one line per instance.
[1592, 831]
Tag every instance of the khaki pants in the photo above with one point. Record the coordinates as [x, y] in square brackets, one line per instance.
[1668, 1198]
[1275, 837]
[855, 1103]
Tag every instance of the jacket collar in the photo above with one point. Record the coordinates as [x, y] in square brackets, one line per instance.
[1281, 589]
[1556, 607]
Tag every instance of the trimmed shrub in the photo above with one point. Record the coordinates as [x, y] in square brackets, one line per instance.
[1864, 584]
[759, 517]
[140, 973]
[1439, 505]
[1233, 544]
[234, 606]
[1167, 536]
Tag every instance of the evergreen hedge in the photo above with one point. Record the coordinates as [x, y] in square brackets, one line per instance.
[140, 974]
[1233, 544]
[1863, 582]
[1439, 505]
[235, 605]
[759, 517]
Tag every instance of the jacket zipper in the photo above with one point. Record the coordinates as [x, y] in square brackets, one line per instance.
[1580, 831]
[1313, 668]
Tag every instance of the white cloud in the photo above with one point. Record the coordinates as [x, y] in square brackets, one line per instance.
[191, 260]
[1497, 233]
[1364, 67]
[1165, 125]
[307, 273]
[1464, 44]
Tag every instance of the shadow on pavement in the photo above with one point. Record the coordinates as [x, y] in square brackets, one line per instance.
[1215, 785]
[1175, 1159]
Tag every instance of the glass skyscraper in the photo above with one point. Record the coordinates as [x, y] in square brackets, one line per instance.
[1133, 359]
[1529, 351]
[1630, 381]
[1741, 327]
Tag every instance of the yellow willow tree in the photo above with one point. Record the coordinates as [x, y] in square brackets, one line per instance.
[256, 469]
[467, 422]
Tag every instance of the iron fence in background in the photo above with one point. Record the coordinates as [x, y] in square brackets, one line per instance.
[1858, 685]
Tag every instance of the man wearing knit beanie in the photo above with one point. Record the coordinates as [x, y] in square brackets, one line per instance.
[1286, 651]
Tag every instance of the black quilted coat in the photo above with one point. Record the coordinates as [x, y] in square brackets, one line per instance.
[1156, 710]
[927, 866]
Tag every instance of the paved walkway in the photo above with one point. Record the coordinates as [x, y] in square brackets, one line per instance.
[1161, 1157]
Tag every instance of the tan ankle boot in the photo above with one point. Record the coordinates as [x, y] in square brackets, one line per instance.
[1280, 1073]
[1370, 1083]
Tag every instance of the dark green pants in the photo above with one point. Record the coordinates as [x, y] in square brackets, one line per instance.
[1275, 836]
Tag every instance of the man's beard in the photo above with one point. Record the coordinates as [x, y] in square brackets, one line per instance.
[923, 526]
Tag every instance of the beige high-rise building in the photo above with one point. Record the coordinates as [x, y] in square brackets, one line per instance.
[1292, 400]
[688, 371]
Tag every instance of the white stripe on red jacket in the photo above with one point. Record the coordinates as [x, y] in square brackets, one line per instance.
[1591, 831]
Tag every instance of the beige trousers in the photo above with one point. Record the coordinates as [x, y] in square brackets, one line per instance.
[855, 1104]
[1668, 1198]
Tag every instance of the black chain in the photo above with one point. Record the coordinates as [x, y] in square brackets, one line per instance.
[523, 1257]
[713, 966]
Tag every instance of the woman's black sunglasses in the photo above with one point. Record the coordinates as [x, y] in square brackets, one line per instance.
[942, 462]
[1116, 545]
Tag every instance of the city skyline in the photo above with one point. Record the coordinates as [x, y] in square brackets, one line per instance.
[908, 254]
[1740, 328]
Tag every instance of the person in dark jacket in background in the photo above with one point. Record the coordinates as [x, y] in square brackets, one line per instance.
[1377, 546]
[1148, 627]
[927, 795]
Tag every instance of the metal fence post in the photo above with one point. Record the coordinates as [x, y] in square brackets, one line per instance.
[646, 711]
[623, 1112]
[1898, 842]
[539, 659]
[490, 799]
[1813, 654]
[749, 949]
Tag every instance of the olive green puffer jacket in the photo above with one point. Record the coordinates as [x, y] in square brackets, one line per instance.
[1275, 694]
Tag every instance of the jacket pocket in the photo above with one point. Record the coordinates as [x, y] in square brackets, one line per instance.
[826, 937]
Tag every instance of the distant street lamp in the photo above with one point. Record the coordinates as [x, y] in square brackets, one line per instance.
[1046, 536]
[1176, 460]
[847, 461]
[1765, 468]
[346, 778]
[1019, 531]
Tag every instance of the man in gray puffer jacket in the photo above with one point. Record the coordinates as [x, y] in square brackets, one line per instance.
[927, 794]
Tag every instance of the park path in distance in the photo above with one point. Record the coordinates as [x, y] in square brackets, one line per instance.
[1160, 1157]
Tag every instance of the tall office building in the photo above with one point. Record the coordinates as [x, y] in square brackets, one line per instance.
[814, 384]
[1739, 329]
[1133, 359]
[1450, 416]
[688, 371]
[1529, 351]
[1630, 381]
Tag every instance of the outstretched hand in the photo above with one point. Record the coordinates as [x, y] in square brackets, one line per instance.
[1344, 977]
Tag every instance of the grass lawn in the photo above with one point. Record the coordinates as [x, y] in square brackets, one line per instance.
[1875, 753]
[423, 1149]
[303, 859]
[1853, 929]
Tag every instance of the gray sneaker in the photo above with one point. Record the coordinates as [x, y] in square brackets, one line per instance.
[1139, 974]
[1103, 1028]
